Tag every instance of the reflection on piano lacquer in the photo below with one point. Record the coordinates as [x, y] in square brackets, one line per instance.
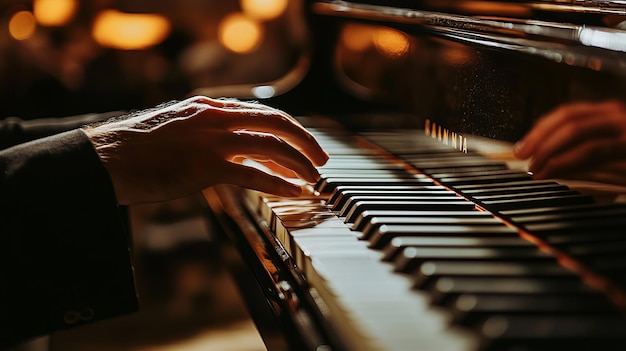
[413, 245]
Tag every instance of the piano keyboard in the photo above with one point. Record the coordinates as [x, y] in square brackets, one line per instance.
[412, 245]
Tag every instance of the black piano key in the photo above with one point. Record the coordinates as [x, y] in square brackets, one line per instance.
[329, 184]
[502, 185]
[531, 193]
[613, 268]
[375, 222]
[573, 227]
[368, 229]
[366, 217]
[365, 160]
[340, 190]
[569, 238]
[364, 173]
[447, 288]
[339, 200]
[509, 177]
[398, 244]
[609, 265]
[427, 205]
[353, 153]
[478, 173]
[431, 271]
[549, 333]
[591, 213]
[385, 233]
[360, 165]
[567, 200]
[410, 258]
[525, 189]
[597, 249]
[553, 210]
[469, 169]
[352, 201]
[470, 310]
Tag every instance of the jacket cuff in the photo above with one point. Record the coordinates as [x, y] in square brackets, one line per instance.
[65, 249]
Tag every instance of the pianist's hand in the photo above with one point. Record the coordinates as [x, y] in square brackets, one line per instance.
[579, 141]
[181, 148]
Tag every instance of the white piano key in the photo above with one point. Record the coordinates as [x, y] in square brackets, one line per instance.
[377, 308]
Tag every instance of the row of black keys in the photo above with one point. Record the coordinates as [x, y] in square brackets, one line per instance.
[469, 260]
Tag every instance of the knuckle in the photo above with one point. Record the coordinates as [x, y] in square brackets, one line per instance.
[197, 99]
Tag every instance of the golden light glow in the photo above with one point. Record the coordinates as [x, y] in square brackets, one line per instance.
[483, 7]
[457, 54]
[391, 42]
[492, 8]
[129, 31]
[357, 37]
[22, 25]
[263, 9]
[54, 12]
[239, 33]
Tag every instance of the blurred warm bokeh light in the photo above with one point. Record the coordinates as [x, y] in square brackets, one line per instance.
[239, 33]
[22, 25]
[129, 31]
[54, 12]
[391, 43]
[59, 57]
[357, 37]
[263, 9]
[457, 54]
[491, 8]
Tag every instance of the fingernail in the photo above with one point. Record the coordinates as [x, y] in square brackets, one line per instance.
[315, 176]
[531, 168]
[322, 161]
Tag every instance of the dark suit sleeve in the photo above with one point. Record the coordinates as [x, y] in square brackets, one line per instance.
[14, 131]
[64, 251]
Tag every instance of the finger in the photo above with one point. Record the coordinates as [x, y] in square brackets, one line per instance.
[268, 121]
[580, 157]
[234, 114]
[277, 168]
[571, 133]
[547, 124]
[253, 178]
[268, 166]
[268, 147]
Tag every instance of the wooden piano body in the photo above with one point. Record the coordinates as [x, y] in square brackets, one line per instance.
[438, 249]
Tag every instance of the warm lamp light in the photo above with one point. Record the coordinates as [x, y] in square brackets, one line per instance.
[263, 9]
[239, 33]
[129, 31]
[54, 12]
[357, 37]
[22, 25]
[391, 42]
